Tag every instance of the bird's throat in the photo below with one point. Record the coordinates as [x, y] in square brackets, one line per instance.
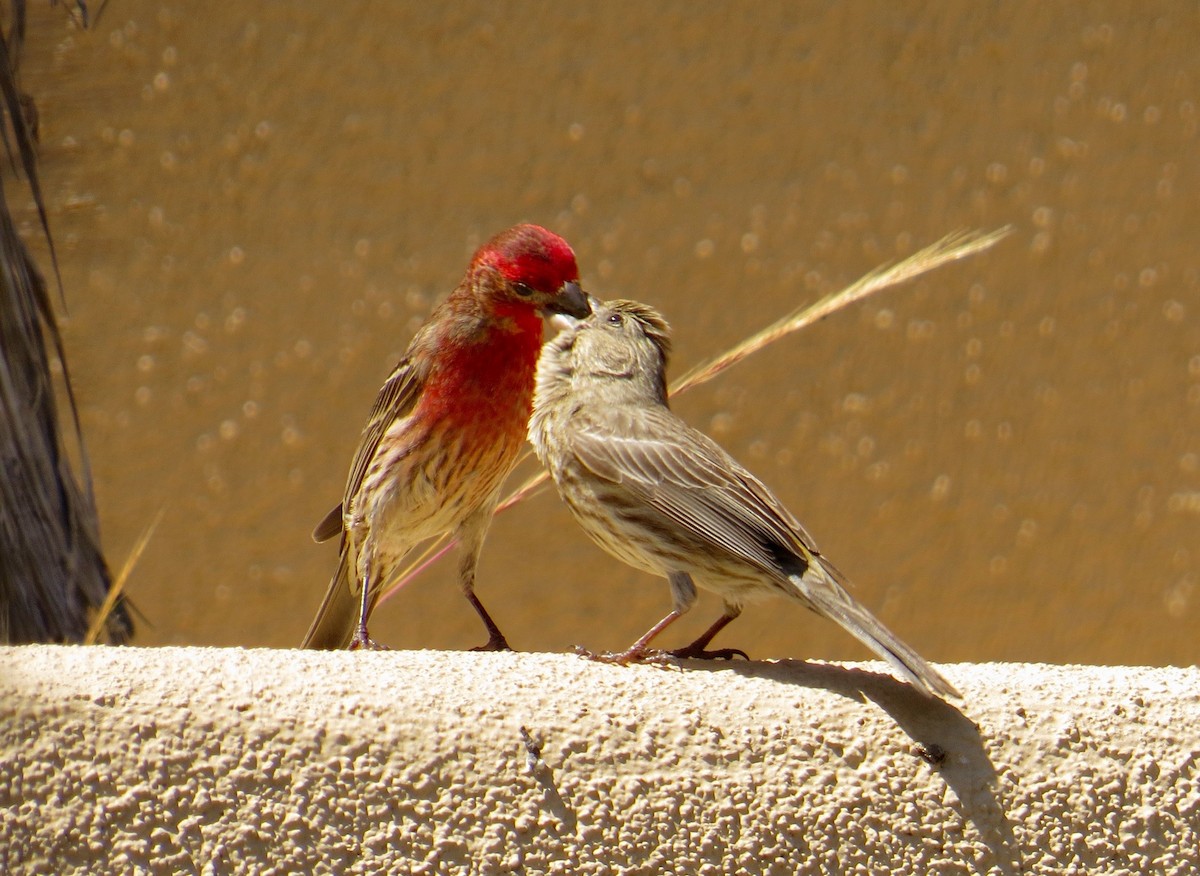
[485, 381]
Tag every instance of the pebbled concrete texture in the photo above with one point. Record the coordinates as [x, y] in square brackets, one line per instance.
[179, 760]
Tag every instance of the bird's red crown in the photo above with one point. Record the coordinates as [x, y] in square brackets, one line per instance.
[531, 255]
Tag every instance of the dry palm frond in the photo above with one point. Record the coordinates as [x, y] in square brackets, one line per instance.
[52, 573]
[952, 247]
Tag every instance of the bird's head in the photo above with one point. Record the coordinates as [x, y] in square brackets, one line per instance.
[621, 340]
[529, 269]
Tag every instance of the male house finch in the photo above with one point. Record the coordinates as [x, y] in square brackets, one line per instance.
[665, 498]
[446, 428]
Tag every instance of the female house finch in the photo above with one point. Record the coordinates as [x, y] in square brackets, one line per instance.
[446, 428]
[665, 498]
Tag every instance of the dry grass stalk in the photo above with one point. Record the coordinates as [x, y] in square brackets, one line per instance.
[100, 621]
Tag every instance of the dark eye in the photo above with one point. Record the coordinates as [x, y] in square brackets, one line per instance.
[616, 319]
[523, 290]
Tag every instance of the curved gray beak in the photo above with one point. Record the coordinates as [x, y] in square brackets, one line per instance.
[571, 300]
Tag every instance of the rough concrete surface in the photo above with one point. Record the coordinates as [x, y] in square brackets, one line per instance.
[221, 761]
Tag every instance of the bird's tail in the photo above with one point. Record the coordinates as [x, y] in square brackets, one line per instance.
[334, 626]
[821, 587]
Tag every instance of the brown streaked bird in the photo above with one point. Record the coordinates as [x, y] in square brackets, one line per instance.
[446, 429]
[665, 498]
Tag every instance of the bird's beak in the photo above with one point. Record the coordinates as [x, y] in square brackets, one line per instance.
[570, 300]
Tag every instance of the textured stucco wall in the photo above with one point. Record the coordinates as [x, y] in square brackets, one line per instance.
[217, 761]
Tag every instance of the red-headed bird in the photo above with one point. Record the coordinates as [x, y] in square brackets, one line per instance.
[446, 428]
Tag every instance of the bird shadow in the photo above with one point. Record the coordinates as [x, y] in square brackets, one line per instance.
[943, 736]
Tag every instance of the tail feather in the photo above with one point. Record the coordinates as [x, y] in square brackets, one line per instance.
[821, 588]
[333, 627]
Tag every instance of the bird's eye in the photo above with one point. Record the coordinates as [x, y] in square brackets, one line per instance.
[522, 289]
[616, 319]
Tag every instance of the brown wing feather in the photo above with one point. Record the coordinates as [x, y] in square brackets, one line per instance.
[686, 476]
[330, 525]
[396, 399]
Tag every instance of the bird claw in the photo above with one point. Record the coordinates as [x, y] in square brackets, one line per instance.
[363, 642]
[494, 643]
[615, 658]
[692, 653]
[659, 657]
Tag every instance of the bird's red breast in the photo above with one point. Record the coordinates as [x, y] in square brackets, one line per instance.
[486, 383]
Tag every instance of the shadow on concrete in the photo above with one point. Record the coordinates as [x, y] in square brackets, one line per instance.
[543, 775]
[944, 737]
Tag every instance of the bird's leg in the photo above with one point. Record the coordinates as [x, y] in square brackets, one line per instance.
[496, 640]
[357, 557]
[362, 641]
[471, 533]
[697, 648]
[636, 652]
[684, 593]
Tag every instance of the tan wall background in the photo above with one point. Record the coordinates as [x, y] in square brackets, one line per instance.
[256, 203]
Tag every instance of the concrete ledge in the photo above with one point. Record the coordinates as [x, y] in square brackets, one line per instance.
[220, 761]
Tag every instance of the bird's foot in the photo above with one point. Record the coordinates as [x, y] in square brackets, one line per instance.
[495, 642]
[363, 642]
[691, 652]
[659, 657]
[607, 657]
[625, 658]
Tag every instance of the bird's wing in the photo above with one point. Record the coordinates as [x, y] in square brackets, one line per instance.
[687, 477]
[396, 399]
